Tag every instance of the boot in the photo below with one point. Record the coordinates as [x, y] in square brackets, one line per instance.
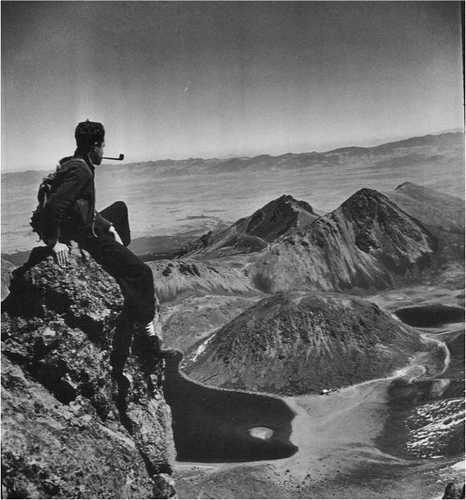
[148, 346]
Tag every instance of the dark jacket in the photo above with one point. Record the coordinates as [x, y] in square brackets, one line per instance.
[70, 210]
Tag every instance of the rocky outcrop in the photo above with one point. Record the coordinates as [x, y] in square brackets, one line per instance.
[454, 490]
[297, 342]
[253, 233]
[7, 269]
[71, 427]
[368, 243]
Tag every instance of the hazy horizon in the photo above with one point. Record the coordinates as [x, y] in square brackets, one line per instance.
[222, 158]
[179, 80]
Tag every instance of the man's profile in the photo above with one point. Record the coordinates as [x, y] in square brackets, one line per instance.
[70, 214]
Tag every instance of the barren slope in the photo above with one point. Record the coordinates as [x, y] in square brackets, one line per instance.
[297, 342]
[253, 233]
[368, 242]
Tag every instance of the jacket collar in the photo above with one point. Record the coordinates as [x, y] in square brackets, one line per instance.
[86, 158]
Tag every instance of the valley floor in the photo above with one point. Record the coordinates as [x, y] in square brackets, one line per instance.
[340, 453]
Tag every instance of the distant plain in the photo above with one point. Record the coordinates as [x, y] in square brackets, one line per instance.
[174, 197]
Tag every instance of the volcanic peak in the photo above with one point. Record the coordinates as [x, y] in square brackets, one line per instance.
[254, 233]
[296, 342]
[367, 242]
[278, 216]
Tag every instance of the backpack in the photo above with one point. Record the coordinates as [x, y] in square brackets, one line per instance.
[47, 187]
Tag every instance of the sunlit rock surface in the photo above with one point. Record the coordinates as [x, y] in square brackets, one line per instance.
[71, 429]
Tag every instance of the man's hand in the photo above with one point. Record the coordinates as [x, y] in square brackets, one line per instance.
[115, 234]
[61, 253]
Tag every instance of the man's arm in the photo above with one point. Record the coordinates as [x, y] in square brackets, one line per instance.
[103, 225]
[66, 194]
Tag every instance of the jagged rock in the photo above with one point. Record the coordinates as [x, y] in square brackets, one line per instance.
[368, 242]
[70, 427]
[7, 268]
[278, 216]
[298, 342]
[454, 490]
[52, 450]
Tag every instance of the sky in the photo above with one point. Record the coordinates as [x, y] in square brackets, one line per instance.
[218, 79]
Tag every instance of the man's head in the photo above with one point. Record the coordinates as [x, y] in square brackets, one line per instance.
[90, 140]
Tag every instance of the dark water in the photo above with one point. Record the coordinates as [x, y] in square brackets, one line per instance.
[213, 425]
[430, 315]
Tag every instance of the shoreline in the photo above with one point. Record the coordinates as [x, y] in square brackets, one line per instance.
[336, 436]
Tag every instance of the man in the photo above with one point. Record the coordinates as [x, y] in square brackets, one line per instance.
[71, 215]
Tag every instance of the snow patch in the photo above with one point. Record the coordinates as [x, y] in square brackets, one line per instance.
[202, 347]
[261, 432]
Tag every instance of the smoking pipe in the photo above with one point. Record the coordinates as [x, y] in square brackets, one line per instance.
[120, 157]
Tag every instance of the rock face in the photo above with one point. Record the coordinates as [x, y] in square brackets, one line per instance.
[454, 490]
[368, 242]
[252, 234]
[71, 428]
[7, 268]
[298, 342]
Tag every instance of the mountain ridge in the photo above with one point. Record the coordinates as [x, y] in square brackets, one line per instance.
[244, 161]
[367, 242]
[255, 232]
[209, 161]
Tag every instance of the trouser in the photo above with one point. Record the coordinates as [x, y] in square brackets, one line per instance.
[132, 274]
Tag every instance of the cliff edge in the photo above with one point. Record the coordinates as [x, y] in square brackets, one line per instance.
[71, 427]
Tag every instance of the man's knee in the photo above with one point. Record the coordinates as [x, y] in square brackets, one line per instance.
[120, 208]
[121, 205]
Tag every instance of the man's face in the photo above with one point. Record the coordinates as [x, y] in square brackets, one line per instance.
[96, 154]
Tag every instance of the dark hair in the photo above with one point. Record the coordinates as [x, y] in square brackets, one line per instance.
[87, 134]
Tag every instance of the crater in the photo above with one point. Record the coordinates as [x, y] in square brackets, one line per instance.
[219, 425]
[430, 315]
